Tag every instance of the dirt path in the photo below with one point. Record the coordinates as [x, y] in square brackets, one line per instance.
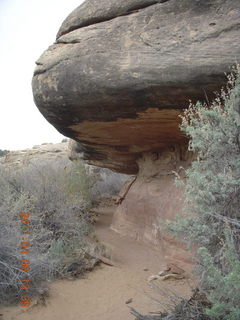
[102, 295]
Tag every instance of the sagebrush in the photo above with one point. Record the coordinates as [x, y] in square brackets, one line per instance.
[213, 196]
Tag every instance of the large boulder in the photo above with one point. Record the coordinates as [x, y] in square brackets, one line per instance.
[116, 80]
[120, 72]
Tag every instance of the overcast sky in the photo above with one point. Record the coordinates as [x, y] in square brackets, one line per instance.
[27, 28]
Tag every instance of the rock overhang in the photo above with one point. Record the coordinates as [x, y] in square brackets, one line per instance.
[117, 83]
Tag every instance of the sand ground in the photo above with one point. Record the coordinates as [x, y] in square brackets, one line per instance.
[102, 294]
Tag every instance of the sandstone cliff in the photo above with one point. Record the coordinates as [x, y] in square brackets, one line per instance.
[116, 80]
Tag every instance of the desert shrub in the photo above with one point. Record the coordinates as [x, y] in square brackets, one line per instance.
[78, 181]
[58, 204]
[3, 152]
[213, 195]
[221, 281]
[108, 182]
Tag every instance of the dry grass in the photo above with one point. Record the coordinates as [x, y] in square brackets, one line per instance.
[58, 195]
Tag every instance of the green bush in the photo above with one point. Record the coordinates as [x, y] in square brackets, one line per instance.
[213, 196]
[77, 181]
[3, 152]
[222, 282]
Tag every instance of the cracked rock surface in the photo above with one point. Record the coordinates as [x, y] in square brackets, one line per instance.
[120, 72]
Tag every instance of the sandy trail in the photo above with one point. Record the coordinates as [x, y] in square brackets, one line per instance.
[103, 293]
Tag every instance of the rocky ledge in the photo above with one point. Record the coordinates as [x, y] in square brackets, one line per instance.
[40, 153]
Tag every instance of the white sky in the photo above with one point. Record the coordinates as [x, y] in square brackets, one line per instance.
[27, 28]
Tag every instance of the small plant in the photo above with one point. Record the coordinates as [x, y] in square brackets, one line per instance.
[3, 152]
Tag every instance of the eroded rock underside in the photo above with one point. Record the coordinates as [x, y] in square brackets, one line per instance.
[116, 80]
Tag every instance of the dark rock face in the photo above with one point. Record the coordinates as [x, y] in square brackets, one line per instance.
[120, 72]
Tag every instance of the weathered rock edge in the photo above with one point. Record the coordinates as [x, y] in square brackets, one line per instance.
[95, 11]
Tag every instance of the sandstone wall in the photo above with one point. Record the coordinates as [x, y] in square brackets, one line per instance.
[154, 197]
